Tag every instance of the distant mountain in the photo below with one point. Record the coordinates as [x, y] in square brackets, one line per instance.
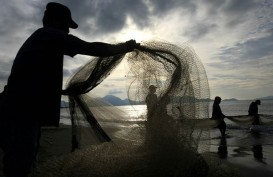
[116, 101]
[231, 99]
[266, 98]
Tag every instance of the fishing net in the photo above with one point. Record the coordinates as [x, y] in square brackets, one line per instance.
[164, 142]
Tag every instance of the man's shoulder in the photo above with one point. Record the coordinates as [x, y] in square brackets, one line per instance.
[53, 33]
[50, 31]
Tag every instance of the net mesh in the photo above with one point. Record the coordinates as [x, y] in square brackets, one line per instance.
[165, 142]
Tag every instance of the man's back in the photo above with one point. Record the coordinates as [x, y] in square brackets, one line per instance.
[36, 77]
[253, 109]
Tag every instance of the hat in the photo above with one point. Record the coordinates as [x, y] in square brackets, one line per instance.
[258, 102]
[61, 11]
[152, 86]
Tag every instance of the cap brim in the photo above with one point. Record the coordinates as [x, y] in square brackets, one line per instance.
[73, 24]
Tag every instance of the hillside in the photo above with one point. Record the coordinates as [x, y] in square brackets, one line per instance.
[119, 102]
[115, 100]
[266, 98]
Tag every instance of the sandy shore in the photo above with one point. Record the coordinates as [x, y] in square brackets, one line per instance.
[56, 143]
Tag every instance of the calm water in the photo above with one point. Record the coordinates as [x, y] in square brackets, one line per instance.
[229, 108]
[232, 108]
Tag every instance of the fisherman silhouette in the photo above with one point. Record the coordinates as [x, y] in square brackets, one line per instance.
[218, 115]
[151, 100]
[151, 103]
[35, 82]
[253, 111]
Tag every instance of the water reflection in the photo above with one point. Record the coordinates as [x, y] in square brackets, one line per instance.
[222, 149]
[257, 148]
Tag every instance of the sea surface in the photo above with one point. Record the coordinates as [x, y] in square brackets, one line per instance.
[239, 134]
[229, 108]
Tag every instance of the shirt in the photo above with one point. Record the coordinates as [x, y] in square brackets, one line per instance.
[217, 112]
[34, 86]
[253, 109]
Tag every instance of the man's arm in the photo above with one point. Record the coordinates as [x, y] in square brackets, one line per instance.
[104, 49]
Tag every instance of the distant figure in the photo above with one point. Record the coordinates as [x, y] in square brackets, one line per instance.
[32, 96]
[151, 100]
[218, 115]
[253, 111]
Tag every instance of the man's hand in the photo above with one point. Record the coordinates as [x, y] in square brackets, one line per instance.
[131, 45]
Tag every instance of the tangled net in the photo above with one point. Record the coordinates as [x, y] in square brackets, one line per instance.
[164, 143]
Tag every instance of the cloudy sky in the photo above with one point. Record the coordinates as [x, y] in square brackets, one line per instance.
[233, 38]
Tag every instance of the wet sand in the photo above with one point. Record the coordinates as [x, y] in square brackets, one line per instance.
[244, 159]
[250, 154]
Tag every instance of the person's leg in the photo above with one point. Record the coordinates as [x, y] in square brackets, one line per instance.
[20, 149]
[222, 128]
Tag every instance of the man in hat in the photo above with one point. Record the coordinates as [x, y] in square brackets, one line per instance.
[253, 111]
[37, 74]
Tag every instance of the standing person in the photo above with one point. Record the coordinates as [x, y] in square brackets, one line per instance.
[218, 115]
[151, 100]
[35, 82]
[253, 111]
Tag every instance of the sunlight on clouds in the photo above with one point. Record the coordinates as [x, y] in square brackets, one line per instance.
[132, 32]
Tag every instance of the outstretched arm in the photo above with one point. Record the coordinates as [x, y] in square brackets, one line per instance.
[104, 49]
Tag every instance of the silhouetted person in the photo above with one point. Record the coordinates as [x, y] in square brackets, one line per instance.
[218, 115]
[151, 103]
[151, 100]
[33, 92]
[253, 111]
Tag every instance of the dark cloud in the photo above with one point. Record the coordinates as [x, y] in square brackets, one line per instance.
[199, 30]
[239, 11]
[236, 11]
[239, 7]
[95, 16]
[162, 7]
[229, 13]
[15, 17]
[245, 51]
[230, 7]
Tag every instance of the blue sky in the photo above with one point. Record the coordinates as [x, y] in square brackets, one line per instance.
[233, 38]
